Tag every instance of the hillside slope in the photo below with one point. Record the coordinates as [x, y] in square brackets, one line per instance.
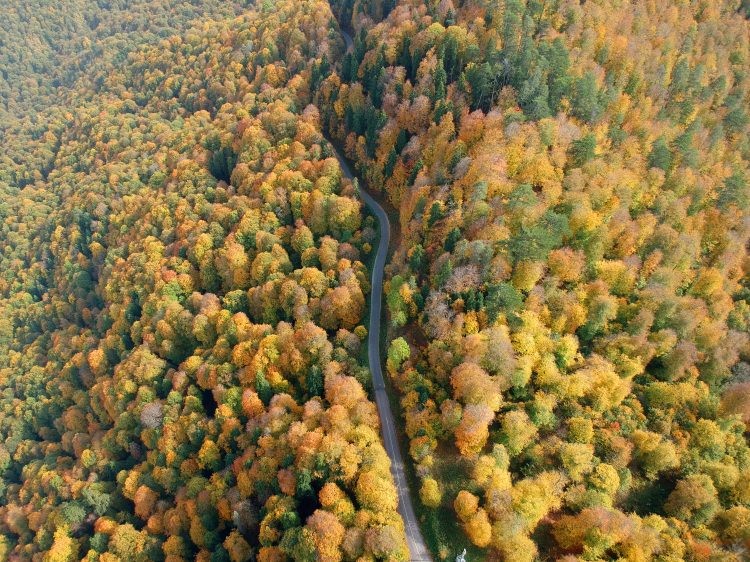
[182, 291]
[569, 298]
[183, 279]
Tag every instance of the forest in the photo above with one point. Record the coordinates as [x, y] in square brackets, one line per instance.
[185, 279]
[183, 287]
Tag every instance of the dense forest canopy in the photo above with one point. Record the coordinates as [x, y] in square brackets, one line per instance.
[569, 298]
[47, 47]
[183, 287]
[184, 278]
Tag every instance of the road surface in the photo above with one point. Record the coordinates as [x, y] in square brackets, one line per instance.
[418, 551]
[417, 548]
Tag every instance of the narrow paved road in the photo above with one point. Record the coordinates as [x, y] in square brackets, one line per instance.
[418, 551]
[417, 548]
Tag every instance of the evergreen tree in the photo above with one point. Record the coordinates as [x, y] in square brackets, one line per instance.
[390, 163]
[439, 81]
[559, 80]
[405, 58]
[315, 381]
[660, 155]
[735, 192]
[586, 99]
[534, 96]
[450, 241]
[417, 258]
[263, 388]
[583, 150]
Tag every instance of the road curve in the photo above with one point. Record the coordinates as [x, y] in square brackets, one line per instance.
[418, 551]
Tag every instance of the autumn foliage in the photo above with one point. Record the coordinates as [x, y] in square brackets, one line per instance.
[182, 285]
[183, 278]
[568, 299]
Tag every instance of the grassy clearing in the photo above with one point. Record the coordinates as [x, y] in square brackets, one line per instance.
[451, 470]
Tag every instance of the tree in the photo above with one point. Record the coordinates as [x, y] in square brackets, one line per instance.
[473, 385]
[341, 307]
[328, 533]
[736, 400]
[733, 524]
[430, 493]
[694, 500]
[472, 432]
[417, 258]
[534, 96]
[478, 528]
[439, 80]
[298, 543]
[302, 238]
[480, 80]
[398, 352]
[559, 79]
[594, 531]
[577, 459]
[660, 155]
[64, 548]
[512, 29]
[583, 150]
[152, 415]
[586, 99]
[517, 431]
[263, 388]
[604, 477]
[375, 491]
[653, 453]
[533, 498]
[145, 499]
[345, 215]
[502, 297]
[386, 541]
[128, 544]
[315, 381]
[735, 192]
[390, 163]
[237, 547]
[465, 504]
[600, 384]
[707, 437]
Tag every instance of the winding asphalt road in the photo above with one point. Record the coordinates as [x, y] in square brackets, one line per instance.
[418, 551]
